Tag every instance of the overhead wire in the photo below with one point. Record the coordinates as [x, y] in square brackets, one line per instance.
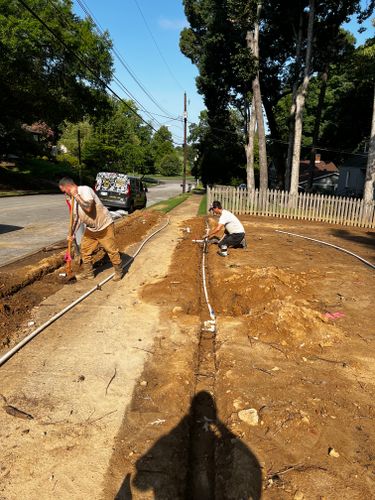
[116, 80]
[157, 46]
[93, 72]
[72, 52]
[91, 16]
[68, 24]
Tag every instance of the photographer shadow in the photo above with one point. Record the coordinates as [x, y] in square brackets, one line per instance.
[200, 459]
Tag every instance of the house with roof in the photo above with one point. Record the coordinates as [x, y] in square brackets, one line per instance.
[352, 176]
[325, 176]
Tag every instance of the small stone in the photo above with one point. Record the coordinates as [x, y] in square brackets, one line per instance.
[298, 495]
[177, 309]
[143, 383]
[333, 453]
[237, 403]
[249, 416]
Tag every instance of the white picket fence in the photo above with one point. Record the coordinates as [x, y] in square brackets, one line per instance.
[304, 206]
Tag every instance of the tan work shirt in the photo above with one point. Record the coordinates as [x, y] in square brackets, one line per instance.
[99, 217]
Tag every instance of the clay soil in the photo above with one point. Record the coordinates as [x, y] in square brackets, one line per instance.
[293, 344]
[26, 283]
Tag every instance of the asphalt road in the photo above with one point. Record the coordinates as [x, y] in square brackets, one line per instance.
[29, 223]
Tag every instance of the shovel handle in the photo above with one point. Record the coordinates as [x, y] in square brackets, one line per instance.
[68, 263]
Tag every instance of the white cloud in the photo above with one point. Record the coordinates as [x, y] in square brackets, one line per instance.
[172, 24]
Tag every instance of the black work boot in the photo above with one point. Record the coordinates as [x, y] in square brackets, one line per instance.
[87, 272]
[118, 272]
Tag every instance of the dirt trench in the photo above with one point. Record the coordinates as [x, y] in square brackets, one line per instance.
[277, 404]
[26, 283]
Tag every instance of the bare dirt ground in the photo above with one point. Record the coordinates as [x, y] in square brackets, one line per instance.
[277, 404]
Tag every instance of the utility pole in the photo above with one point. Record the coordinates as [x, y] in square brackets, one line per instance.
[79, 155]
[185, 146]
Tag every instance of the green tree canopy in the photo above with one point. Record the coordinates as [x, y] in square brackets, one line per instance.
[40, 78]
[120, 140]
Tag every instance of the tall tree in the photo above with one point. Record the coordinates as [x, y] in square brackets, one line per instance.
[368, 192]
[300, 102]
[258, 107]
[219, 27]
[120, 140]
[40, 78]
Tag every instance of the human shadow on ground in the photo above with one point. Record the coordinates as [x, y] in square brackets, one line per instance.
[199, 459]
[5, 228]
[367, 239]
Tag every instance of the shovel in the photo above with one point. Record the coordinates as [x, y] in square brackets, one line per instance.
[68, 254]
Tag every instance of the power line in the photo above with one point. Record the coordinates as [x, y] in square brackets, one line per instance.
[89, 14]
[35, 15]
[157, 46]
[68, 24]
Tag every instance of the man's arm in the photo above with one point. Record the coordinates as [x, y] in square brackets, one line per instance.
[216, 230]
[86, 205]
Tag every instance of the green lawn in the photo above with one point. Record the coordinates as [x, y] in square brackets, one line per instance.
[33, 176]
[168, 205]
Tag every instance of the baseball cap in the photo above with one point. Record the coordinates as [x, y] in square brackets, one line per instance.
[215, 204]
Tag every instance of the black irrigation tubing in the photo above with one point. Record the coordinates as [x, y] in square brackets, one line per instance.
[33, 334]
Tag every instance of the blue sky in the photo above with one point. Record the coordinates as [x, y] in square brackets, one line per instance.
[146, 34]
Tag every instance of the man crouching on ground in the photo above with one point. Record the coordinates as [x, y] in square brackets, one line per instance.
[89, 210]
[234, 231]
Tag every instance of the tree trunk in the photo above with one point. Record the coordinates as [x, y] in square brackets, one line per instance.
[300, 103]
[316, 132]
[263, 168]
[368, 191]
[276, 146]
[292, 113]
[249, 148]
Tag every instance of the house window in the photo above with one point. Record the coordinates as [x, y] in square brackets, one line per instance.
[347, 179]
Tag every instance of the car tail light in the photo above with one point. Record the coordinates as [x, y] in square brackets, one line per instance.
[128, 191]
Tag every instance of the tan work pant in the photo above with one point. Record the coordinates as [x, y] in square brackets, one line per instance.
[105, 238]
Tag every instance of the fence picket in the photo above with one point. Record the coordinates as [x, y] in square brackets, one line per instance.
[304, 206]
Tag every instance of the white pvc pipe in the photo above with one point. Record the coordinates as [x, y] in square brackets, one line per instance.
[33, 334]
[331, 245]
[210, 309]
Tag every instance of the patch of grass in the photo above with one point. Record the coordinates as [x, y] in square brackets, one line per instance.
[167, 205]
[32, 176]
[20, 192]
[202, 210]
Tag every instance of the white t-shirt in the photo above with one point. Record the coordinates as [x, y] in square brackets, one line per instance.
[230, 222]
[99, 217]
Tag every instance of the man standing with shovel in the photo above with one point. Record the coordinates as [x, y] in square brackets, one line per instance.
[89, 210]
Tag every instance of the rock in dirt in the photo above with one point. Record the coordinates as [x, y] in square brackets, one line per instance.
[333, 453]
[298, 495]
[249, 416]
